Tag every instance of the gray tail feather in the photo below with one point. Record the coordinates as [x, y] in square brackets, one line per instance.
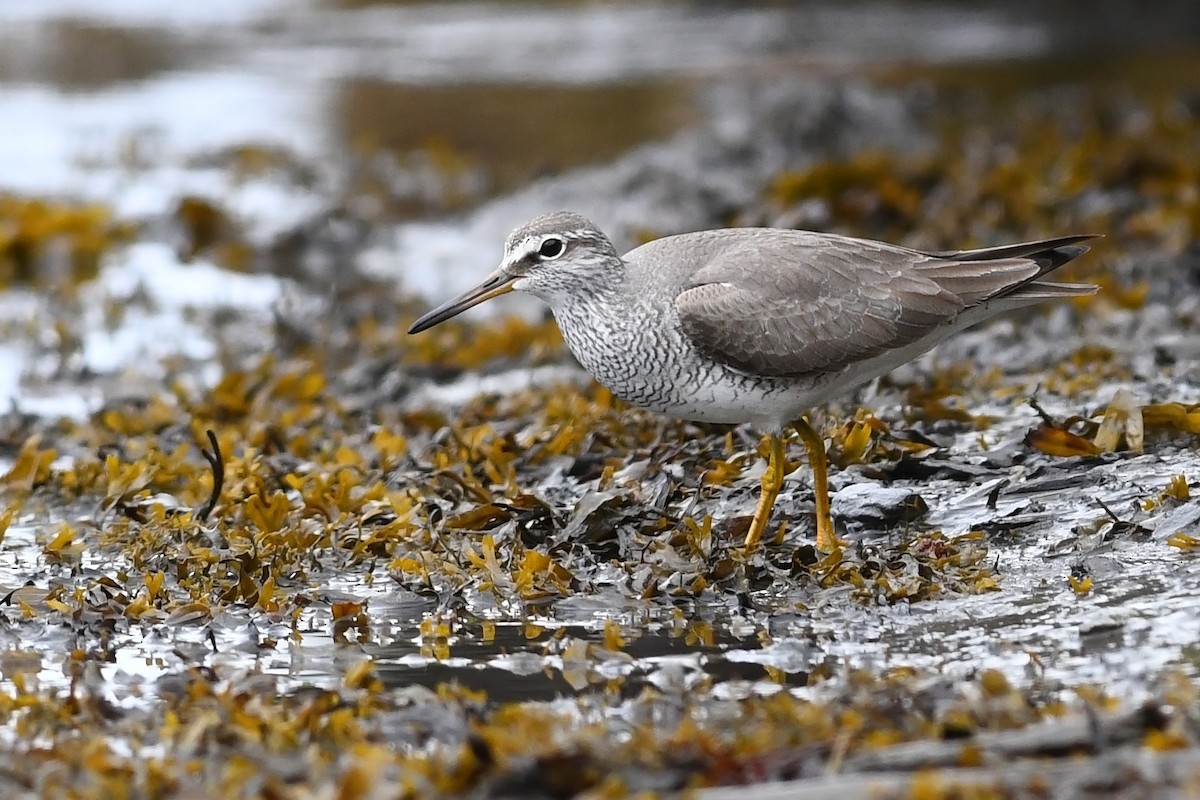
[1013, 271]
[1048, 254]
[1048, 290]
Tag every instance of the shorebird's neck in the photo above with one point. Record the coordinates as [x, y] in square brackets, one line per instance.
[602, 322]
[584, 288]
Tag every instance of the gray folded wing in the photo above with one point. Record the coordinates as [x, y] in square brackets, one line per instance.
[781, 303]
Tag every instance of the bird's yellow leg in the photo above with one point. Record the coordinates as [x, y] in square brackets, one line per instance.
[827, 540]
[772, 482]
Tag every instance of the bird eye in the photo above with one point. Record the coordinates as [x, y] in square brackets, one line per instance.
[551, 248]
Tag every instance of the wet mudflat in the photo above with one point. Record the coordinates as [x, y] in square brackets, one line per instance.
[451, 564]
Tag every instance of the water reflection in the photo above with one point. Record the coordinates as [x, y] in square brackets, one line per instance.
[511, 666]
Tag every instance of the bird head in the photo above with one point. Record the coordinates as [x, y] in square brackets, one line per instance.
[554, 257]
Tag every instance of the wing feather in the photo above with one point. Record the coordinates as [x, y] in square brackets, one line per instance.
[790, 302]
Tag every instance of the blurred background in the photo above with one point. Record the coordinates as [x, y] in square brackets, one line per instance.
[330, 143]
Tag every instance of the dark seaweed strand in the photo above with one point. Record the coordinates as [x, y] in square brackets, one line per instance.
[214, 459]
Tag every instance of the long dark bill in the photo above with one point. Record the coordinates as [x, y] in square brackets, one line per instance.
[493, 285]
